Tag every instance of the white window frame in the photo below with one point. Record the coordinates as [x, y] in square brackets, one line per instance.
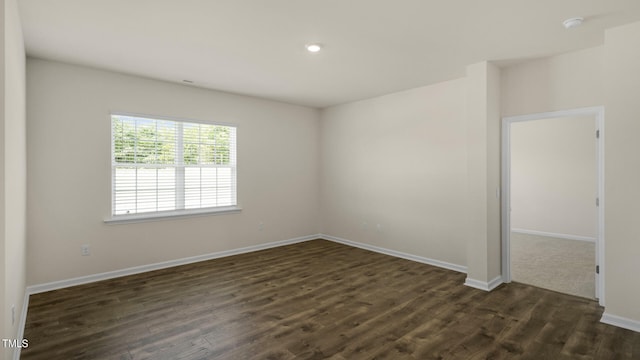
[180, 168]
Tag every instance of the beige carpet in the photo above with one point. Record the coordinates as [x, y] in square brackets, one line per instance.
[566, 266]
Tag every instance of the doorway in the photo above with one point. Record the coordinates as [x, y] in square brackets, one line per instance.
[553, 216]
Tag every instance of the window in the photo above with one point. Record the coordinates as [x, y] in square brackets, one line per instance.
[164, 167]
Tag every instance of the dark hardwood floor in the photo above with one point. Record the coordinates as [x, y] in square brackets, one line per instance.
[315, 300]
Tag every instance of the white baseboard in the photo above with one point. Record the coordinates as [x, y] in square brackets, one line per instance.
[34, 289]
[620, 321]
[420, 259]
[555, 235]
[486, 286]
[55, 285]
[21, 323]
[483, 285]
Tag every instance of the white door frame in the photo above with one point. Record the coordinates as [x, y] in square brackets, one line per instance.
[598, 114]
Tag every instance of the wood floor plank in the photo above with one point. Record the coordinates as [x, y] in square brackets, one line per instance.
[315, 300]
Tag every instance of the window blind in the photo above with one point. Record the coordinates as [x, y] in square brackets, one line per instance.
[161, 165]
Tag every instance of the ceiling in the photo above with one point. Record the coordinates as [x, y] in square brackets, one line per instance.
[256, 47]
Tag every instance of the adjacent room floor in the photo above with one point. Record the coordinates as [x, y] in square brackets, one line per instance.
[567, 266]
[315, 300]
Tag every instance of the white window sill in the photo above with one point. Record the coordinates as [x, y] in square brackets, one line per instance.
[169, 215]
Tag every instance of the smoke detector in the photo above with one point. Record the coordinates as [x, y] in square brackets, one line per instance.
[572, 22]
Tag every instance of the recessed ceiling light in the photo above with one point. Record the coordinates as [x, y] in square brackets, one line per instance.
[572, 22]
[314, 48]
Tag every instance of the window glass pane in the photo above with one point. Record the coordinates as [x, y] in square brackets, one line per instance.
[209, 197]
[192, 198]
[145, 152]
[166, 189]
[124, 139]
[209, 177]
[125, 202]
[191, 154]
[146, 201]
[150, 175]
[225, 176]
[223, 143]
[192, 177]
[192, 187]
[207, 154]
[191, 143]
[166, 142]
[146, 179]
[125, 179]
[225, 197]
[167, 179]
[166, 200]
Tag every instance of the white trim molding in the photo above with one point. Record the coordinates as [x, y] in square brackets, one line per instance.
[21, 324]
[55, 285]
[555, 235]
[483, 285]
[168, 215]
[619, 321]
[394, 253]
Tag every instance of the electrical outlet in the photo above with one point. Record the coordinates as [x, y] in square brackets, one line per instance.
[85, 250]
[260, 226]
[13, 314]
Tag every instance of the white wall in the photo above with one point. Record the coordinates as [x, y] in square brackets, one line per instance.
[554, 176]
[5, 310]
[561, 82]
[13, 162]
[69, 186]
[424, 164]
[483, 172]
[622, 171]
[608, 75]
[400, 161]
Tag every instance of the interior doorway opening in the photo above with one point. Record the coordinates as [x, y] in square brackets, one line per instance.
[552, 204]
